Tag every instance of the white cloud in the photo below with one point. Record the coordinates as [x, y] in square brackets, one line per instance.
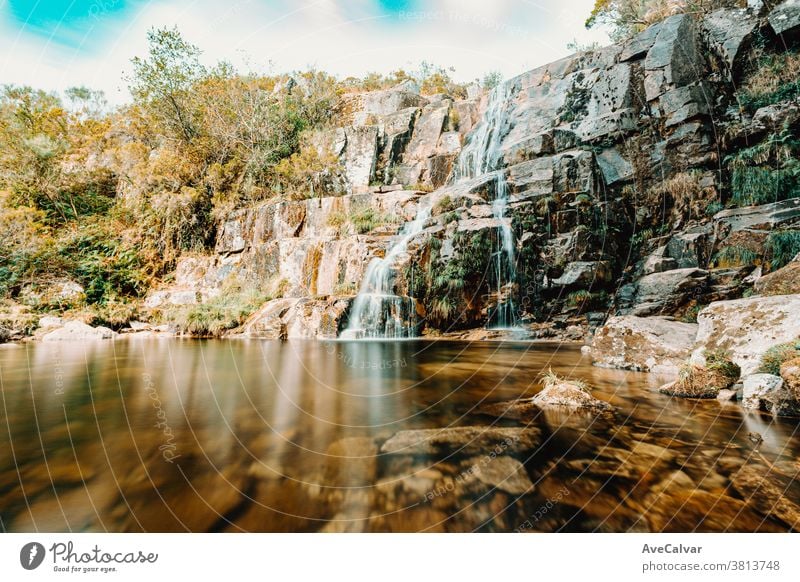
[343, 37]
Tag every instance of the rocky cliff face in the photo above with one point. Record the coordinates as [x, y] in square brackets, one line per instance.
[603, 175]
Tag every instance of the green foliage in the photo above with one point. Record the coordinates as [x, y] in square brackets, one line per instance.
[585, 300]
[782, 246]
[720, 361]
[337, 220]
[163, 82]
[545, 206]
[196, 143]
[713, 207]
[444, 204]
[415, 279]
[432, 79]
[115, 313]
[774, 79]
[452, 286]
[766, 172]
[492, 80]
[690, 316]
[734, 256]
[311, 171]
[578, 297]
[583, 201]
[366, 219]
[222, 313]
[643, 236]
[625, 18]
[776, 355]
[92, 254]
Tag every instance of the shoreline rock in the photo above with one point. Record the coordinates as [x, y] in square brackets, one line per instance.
[768, 393]
[78, 331]
[747, 328]
[647, 344]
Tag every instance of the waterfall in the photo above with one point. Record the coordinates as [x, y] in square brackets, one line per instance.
[481, 155]
[377, 311]
[505, 312]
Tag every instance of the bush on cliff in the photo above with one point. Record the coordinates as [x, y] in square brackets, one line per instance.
[782, 246]
[775, 78]
[214, 317]
[766, 172]
[625, 18]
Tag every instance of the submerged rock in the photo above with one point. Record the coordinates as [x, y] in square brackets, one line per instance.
[647, 344]
[504, 473]
[467, 440]
[765, 490]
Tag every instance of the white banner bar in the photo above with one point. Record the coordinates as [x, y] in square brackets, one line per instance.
[400, 557]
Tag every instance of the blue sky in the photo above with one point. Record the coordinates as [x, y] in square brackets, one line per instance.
[55, 44]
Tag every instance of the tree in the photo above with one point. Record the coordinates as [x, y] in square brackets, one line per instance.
[625, 18]
[492, 79]
[163, 82]
[86, 103]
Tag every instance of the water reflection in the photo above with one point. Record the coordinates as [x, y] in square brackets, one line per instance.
[173, 435]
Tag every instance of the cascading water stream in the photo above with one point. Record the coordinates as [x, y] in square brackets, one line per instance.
[505, 314]
[481, 153]
[377, 311]
[479, 156]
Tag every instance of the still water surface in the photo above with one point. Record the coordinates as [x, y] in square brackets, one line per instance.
[190, 435]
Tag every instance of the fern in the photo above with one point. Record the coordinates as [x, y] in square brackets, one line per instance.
[782, 246]
[734, 256]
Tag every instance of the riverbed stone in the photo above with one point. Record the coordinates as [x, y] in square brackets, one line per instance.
[351, 462]
[647, 344]
[467, 440]
[765, 490]
[504, 473]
